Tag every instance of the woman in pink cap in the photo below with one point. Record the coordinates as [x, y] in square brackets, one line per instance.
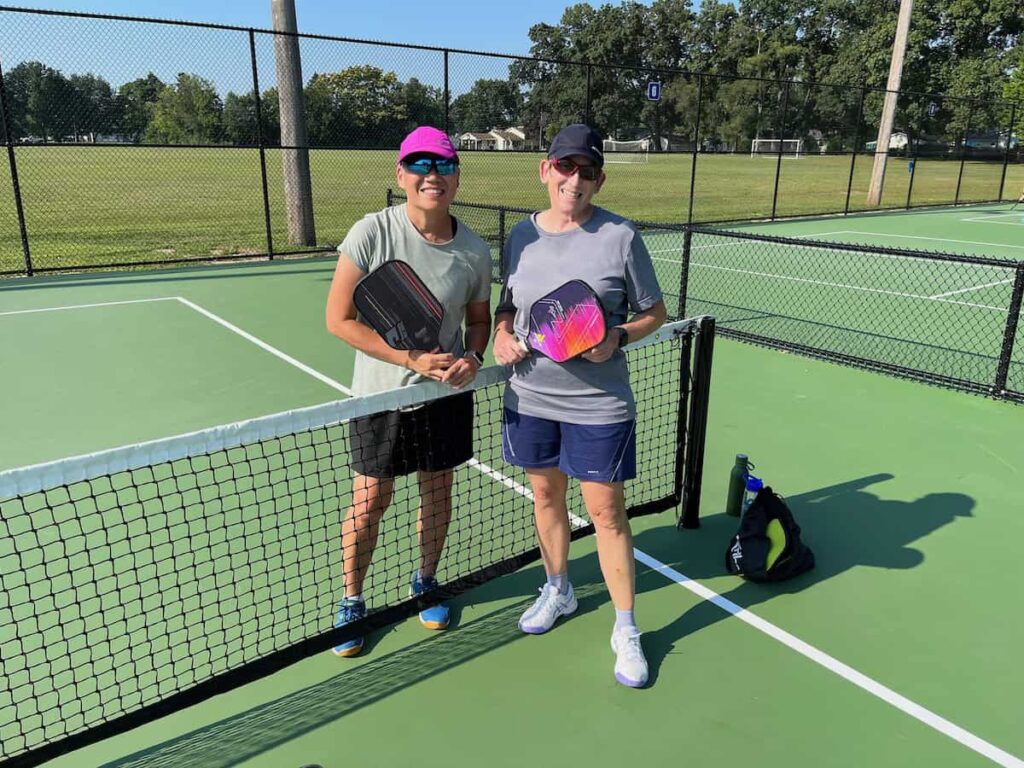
[455, 264]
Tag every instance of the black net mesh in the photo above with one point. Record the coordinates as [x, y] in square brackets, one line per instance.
[142, 579]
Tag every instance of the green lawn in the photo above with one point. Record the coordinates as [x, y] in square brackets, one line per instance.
[95, 205]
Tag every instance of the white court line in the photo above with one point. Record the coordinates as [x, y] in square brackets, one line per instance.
[1004, 223]
[991, 216]
[972, 288]
[722, 245]
[323, 378]
[848, 673]
[934, 239]
[206, 313]
[87, 306]
[848, 287]
[873, 687]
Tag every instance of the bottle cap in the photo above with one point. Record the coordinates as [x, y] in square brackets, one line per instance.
[754, 484]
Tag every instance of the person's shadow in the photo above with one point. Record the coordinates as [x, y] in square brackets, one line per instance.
[844, 526]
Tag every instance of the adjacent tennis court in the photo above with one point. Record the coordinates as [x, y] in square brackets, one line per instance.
[894, 649]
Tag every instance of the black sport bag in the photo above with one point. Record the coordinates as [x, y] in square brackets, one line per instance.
[767, 546]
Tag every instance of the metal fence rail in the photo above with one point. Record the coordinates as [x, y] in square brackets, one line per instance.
[934, 317]
[166, 146]
[940, 318]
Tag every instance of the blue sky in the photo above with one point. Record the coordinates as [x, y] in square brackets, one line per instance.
[119, 52]
[500, 27]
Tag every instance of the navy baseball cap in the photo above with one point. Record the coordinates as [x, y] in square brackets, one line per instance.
[577, 139]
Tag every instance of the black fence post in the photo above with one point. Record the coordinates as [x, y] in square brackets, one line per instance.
[912, 161]
[1010, 333]
[501, 242]
[5, 122]
[1006, 149]
[696, 145]
[684, 274]
[260, 143]
[390, 198]
[778, 159]
[590, 70]
[447, 97]
[856, 146]
[963, 153]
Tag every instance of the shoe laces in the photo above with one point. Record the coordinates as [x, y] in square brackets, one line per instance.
[631, 647]
[350, 610]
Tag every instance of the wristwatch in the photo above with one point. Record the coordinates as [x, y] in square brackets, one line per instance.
[623, 336]
[476, 357]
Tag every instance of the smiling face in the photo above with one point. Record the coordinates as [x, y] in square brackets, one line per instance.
[570, 194]
[427, 193]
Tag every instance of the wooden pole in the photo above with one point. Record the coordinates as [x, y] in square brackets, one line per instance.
[892, 92]
[298, 189]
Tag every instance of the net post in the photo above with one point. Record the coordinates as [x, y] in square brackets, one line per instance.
[1006, 149]
[6, 123]
[692, 439]
[260, 143]
[1010, 332]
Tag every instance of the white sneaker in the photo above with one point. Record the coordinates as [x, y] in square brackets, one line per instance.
[630, 664]
[551, 604]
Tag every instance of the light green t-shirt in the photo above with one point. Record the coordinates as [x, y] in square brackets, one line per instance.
[457, 272]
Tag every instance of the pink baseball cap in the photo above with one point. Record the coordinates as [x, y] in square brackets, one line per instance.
[427, 140]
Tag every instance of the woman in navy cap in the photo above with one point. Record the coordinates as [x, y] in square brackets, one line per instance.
[577, 419]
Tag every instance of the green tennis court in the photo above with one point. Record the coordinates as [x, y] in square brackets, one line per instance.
[896, 648]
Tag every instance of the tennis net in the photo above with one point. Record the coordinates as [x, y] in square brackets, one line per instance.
[141, 580]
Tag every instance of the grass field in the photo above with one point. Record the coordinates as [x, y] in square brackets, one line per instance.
[96, 205]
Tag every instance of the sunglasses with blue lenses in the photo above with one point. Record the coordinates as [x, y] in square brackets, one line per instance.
[424, 165]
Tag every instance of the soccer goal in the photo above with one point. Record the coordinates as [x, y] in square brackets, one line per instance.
[626, 151]
[770, 147]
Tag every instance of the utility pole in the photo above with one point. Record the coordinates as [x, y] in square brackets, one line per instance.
[899, 48]
[298, 189]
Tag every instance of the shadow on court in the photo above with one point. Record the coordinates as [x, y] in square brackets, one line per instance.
[843, 524]
[242, 737]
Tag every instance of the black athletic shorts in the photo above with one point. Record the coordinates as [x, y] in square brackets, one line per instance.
[436, 436]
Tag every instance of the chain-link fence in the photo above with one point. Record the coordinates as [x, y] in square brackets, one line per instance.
[941, 318]
[935, 317]
[135, 141]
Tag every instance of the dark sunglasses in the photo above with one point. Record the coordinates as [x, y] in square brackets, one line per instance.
[567, 167]
[425, 165]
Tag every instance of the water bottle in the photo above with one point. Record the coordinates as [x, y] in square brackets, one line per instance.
[737, 485]
[753, 485]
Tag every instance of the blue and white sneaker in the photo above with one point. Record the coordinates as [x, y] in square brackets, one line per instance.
[349, 610]
[435, 617]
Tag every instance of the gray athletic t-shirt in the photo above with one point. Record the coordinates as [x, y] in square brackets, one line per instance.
[608, 254]
[457, 272]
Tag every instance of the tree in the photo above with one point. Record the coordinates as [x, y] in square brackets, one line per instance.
[92, 110]
[188, 112]
[424, 105]
[488, 104]
[240, 118]
[361, 106]
[39, 98]
[134, 104]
